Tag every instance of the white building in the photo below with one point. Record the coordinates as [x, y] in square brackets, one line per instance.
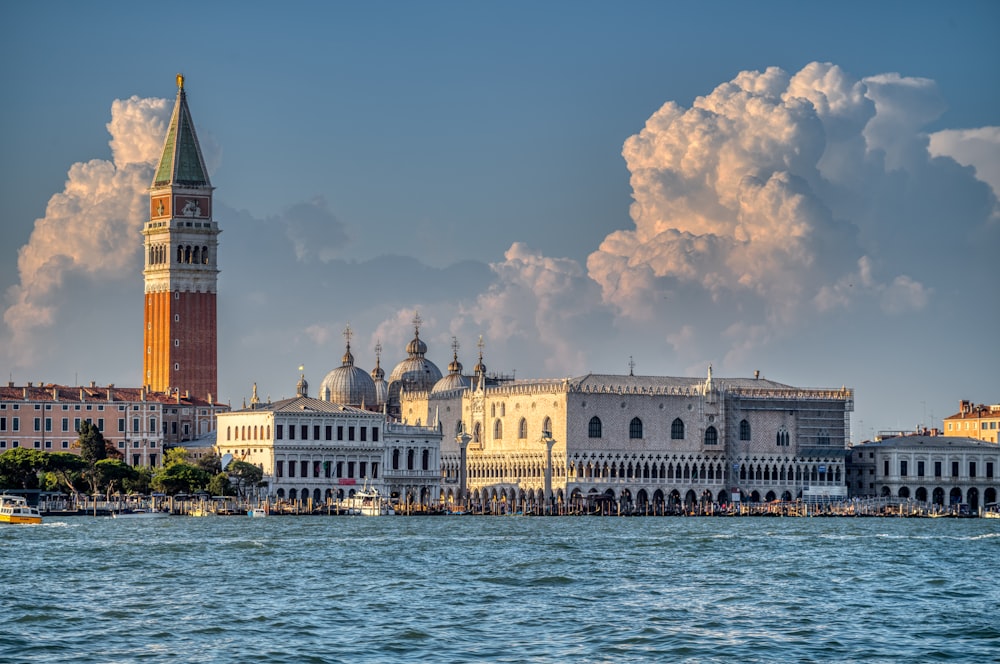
[316, 451]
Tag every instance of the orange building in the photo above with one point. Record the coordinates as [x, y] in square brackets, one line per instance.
[974, 421]
[181, 267]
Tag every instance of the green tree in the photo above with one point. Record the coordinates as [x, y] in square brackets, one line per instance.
[219, 485]
[68, 469]
[140, 482]
[20, 467]
[245, 476]
[180, 478]
[112, 473]
[91, 442]
[211, 463]
[174, 456]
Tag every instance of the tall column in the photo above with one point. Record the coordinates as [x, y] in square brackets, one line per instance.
[549, 444]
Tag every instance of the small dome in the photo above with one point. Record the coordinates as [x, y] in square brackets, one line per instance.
[378, 377]
[348, 384]
[452, 381]
[415, 373]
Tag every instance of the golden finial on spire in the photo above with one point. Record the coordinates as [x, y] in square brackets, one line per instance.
[180, 81]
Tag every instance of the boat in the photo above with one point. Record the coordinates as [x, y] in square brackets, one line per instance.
[992, 511]
[257, 512]
[201, 511]
[15, 509]
[140, 513]
[369, 502]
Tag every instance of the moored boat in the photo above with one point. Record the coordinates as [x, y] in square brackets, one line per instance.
[15, 509]
[257, 512]
[369, 502]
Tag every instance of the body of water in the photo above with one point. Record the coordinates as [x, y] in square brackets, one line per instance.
[500, 589]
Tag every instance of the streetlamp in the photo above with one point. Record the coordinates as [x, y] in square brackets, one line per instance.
[549, 443]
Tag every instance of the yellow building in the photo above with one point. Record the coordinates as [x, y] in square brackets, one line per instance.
[974, 421]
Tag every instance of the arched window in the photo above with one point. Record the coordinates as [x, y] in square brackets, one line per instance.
[228, 433]
[426, 461]
[196, 257]
[409, 459]
[744, 430]
[497, 430]
[180, 254]
[476, 433]
[635, 428]
[187, 254]
[824, 437]
[204, 255]
[503, 409]
[677, 429]
[782, 437]
[547, 425]
[395, 459]
[711, 436]
[594, 429]
[522, 429]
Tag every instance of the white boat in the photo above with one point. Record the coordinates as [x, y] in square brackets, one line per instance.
[15, 509]
[369, 502]
[257, 512]
[992, 511]
[140, 513]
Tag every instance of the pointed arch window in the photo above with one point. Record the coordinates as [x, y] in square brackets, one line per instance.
[497, 430]
[711, 436]
[781, 438]
[547, 425]
[744, 430]
[477, 433]
[635, 428]
[677, 429]
[594, 428]
[522, 429]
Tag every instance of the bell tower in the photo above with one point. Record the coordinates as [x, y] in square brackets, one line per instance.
[181, 267]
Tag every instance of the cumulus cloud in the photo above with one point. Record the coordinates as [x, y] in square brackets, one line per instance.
[975, 148]
[90, 228]
[770, 193]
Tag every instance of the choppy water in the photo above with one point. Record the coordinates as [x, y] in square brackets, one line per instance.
[500, 589]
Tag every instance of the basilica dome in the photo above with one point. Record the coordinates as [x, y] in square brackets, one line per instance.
[378, 378]
[454, 380]
[416, 373]
[349, 385]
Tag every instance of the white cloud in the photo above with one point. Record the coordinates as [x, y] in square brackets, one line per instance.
[976, 148]
[90, 229]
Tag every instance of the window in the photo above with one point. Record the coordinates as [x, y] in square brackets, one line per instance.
[304, 430]
[426, 461]
[782, 439]
[989, 470]
[744, 430]
[594, 428]
[350, 433]
[711, 436]
[920, 469]
[937, 469]
[677, 429]
[902, 468]
[316, 434]
[340, 433]
[522, 429]
[497, 430]
[329, 434]
[954, 469]
[279, 433]
[279, 466]
[291, 469]
[972, 469]
[635, 428]
[304, 470]
[374, 440]
[364, 433]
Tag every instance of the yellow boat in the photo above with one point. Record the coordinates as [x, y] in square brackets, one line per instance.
[15, 509]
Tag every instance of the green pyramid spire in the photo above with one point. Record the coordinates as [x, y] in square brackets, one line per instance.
[181, 163]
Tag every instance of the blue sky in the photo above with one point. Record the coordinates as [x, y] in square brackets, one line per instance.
[803, 189]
